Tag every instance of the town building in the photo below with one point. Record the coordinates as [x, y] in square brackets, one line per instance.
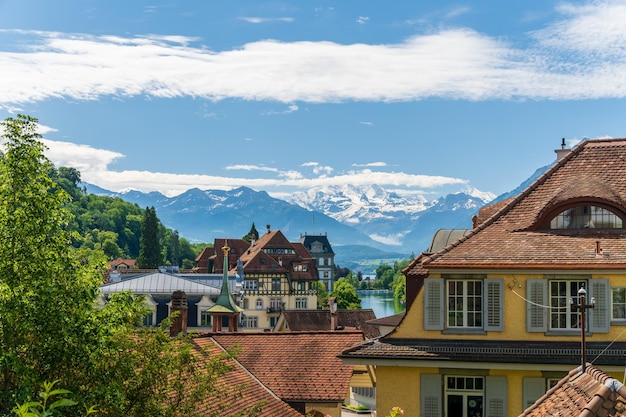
[495, 318]
[322, 252]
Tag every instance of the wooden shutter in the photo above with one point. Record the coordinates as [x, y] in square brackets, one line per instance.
[599, 316]
[433, 304]
[494, 304]
[431, 404]
[536, 311]
[533, 389]
[495, 396]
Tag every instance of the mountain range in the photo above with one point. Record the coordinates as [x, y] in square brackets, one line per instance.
[360, 222]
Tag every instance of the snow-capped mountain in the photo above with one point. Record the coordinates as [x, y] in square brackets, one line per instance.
[390, 218]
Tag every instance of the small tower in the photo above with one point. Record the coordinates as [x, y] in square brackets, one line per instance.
[225, 307]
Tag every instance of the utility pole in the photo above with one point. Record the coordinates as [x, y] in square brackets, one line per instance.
[582, 295]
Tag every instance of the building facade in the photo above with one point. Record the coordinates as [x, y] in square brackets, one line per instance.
[322, 252]
[496, 317]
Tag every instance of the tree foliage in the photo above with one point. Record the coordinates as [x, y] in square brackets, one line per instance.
[51, 325]
[253, 234]
[150, 255]
[346, 295]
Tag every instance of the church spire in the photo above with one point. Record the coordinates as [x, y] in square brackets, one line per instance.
[225, 305]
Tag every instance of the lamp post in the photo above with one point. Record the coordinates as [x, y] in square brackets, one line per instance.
[582, 294]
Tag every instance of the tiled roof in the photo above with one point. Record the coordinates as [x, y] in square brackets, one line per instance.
[589, 394]
[516, 351]
[253, 391]
[393, 320]
[298, 366]
[314, 320]
[516, 236]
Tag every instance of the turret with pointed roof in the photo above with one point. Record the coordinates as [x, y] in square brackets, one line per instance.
[225, 306]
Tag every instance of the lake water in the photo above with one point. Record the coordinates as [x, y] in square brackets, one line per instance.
[382, 303]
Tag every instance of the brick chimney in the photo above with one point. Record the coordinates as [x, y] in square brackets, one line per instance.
[179, 303]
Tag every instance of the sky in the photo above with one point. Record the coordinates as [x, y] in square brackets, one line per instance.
[419, 97]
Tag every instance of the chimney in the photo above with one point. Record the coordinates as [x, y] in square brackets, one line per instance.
[179, 303]
[560, 153]
[267, 226]
[598, 248]
[332, 305]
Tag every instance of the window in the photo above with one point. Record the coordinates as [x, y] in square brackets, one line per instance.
[464, 396]
[205, 319]
[251, 322]
[148, 320]
[301, 303]
[618, 303]
[250, 284]
[276, 304]
[326, 274]
[463, 303]
[562, 316]
[259, 304]
[586, 217]
[300, 285]
[321, 261]
[275, 284]
[300, 267]
[549, 303]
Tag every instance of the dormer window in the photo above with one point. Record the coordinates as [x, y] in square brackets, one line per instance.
[586, 217]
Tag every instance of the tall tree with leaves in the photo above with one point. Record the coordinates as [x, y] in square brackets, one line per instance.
[150, 255]
[253, 234]
[50, 326]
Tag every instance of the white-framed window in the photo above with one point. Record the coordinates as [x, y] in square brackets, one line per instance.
[464, 303]
[562, 292]
[275, 284]
[464, 396]
[549, 307]
[148, 320]
[250, 284]
[301, 303]
[205, 319]
[251, 322]
[321, 261]
[276, 304]
[259, 304]
[618, 303]
[151, 318]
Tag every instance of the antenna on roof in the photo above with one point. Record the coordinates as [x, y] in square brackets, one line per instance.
[563, 143]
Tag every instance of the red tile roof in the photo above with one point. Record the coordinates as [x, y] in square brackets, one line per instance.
[253, 391]
[517, 235]
[589, 394]
[319, 320]
[297, 366]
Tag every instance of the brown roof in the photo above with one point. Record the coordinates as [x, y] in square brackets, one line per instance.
[253, 392]
[319, 320]
[518, 235]
[393, 320]
[298, 366]
[119, 261]
[589, 394]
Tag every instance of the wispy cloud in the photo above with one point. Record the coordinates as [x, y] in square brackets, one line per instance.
[361, 20]
[458, 63]
[266, 19]
[94, 165]
[371, 164]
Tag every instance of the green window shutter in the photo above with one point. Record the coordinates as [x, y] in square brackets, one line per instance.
[532, 390]
[433, 303]
[599, 316]
[495, 396]
[431, 404]
[494, 305]
[536, 313]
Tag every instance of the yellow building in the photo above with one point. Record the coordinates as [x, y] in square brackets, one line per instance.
[496, 316]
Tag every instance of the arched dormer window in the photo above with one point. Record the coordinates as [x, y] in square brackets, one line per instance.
[586, 217]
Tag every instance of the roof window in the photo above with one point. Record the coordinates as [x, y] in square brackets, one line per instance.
[586, 217]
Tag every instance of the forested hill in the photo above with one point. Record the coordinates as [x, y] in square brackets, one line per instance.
[112, 226]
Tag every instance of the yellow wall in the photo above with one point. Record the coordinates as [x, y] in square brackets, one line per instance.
[331, 409]
[399, 387]
[514, 315]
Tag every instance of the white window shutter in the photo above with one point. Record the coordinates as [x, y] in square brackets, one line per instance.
[494, 304]
[433, 303]
[431, 404]
[536, 311]
[495, 396]
[599, 316]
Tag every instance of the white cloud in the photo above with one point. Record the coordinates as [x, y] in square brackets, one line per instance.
[371, 164]
[361, 20]
[266, 19]
[579, 56]
[94, 164]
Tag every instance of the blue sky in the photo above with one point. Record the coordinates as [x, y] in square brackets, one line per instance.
[418, 97]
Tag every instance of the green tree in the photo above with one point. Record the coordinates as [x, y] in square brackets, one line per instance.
[253, 234]
[322, 295]
[173, 250]
[51, 328]
[150, 255]
[346, 295]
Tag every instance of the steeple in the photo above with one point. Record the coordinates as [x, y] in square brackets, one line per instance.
[225, 306]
